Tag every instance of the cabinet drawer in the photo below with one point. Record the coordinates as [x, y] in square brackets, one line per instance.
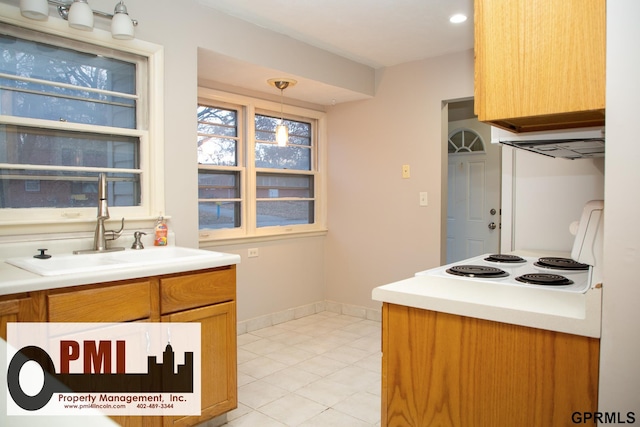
[117, 303]
[197, 290]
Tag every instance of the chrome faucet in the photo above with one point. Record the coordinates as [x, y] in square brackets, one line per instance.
[101, 235]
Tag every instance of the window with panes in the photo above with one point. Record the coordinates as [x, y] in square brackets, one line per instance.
[246, 181]
[69, 110]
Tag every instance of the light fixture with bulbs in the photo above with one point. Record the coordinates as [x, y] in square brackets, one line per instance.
[80, 15]
[282, 131]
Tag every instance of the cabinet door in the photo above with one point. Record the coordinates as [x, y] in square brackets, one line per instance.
[21, 308]
[110, 302]
[219, 360]
[9, 311]
[540, 64]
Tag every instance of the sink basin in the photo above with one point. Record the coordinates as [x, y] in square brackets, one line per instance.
[84, 263]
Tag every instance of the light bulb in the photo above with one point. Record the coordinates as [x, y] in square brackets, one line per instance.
[457, 18]
[282, 134]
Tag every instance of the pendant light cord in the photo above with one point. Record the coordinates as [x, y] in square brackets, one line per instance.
[281, 105]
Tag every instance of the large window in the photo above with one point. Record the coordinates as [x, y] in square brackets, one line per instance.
[248, 185]
[68, 111]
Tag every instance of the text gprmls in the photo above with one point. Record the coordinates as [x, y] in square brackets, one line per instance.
[603, 418]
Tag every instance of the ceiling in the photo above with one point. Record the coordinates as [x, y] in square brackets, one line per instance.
[376, 33]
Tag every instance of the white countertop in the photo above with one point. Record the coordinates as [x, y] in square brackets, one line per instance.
[573, 313]
[15, 280]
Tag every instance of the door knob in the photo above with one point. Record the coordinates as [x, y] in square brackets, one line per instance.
[492, 226]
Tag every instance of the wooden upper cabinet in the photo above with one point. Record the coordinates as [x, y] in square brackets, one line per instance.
[540, 64]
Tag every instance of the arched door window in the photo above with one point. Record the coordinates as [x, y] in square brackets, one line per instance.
[464, 141]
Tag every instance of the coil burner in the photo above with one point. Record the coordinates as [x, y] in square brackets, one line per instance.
[507, 259]
[480, 271]
[544, 279]
[561, 264]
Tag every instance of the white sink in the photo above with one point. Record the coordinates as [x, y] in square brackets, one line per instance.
[71, 264]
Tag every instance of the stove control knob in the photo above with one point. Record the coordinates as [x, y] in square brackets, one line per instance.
[492, 226]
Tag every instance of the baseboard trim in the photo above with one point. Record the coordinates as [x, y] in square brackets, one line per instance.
[307, 310]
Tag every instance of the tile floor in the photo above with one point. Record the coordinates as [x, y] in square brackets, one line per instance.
[320, 370]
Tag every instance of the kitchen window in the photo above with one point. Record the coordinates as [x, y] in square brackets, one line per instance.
[248, 186]
[70, 110]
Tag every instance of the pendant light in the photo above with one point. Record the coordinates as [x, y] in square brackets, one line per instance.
[282, 131]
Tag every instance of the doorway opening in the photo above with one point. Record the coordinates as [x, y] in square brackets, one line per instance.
[473, 183]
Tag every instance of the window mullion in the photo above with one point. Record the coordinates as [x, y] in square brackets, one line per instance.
[250, 159]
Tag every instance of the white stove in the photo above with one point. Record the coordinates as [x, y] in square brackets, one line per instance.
[523, 272]
[577, 273]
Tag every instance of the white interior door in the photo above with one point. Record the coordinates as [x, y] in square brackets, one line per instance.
[473, 211]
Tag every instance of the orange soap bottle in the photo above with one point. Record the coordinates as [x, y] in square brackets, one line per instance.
[161, 233]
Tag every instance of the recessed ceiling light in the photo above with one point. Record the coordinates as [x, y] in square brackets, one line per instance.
[457, 18]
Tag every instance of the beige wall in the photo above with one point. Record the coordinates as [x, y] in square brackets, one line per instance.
[377, 231]
[286, 274]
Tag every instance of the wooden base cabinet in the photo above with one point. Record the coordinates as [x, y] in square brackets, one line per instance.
[209, 298]
[445, 370]
[205, 296]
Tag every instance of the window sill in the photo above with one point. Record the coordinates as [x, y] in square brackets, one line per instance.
[216, 242]
[16, 230]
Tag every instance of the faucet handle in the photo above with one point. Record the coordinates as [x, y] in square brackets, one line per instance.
[113, 235]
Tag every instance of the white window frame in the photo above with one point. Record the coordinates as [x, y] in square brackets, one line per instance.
[248, 230]
[64, 220]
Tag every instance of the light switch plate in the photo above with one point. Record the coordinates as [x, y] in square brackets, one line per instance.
[424, 199]
[406, 171]
[253, 252]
